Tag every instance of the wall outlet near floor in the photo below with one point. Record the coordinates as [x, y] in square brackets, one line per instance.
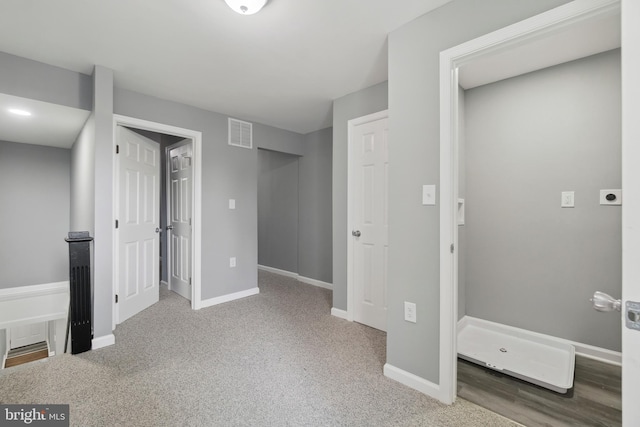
[410, 311]
[568, 199]
[232, 262]
[232, 203]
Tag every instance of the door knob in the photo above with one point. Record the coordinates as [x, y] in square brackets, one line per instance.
[169, 227]
[356, 233]
[158, 230]
[604, 302]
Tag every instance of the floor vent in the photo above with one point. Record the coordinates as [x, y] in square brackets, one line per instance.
[240, 133]
[28, 353]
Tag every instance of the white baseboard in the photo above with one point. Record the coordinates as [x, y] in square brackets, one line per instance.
[314, 282]
[103, 341]
[229, 297]
[413, 381]
[278, 271]
[342, 314]
[162, 282]
[585, 350]
[307, 280]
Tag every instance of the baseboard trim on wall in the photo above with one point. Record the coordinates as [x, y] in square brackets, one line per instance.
[162, 282]
[585, 350]
[229, 297]
[307, 280]
[103, 341]
[342, 314]
[413, 381]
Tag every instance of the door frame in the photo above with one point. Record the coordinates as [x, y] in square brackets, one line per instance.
[196, 244]
[506, 38]
[351, 125]
[167, 167]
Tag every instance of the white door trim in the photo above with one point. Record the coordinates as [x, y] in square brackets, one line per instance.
[503, 39]
[351, 124]
[196, 243]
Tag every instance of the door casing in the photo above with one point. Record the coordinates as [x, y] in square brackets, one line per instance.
[196, 244]
[450, 60]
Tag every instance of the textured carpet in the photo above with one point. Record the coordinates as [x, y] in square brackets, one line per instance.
[278, 358]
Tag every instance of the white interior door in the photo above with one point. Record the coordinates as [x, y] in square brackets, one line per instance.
[27, 334]
[369, 220]
[180, 181]
[138, 223]
[630, 210]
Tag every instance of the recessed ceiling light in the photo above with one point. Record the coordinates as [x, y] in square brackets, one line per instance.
[19, 112]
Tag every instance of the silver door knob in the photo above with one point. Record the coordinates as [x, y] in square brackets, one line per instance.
[158, 230]
[169, 227]
[356, 233]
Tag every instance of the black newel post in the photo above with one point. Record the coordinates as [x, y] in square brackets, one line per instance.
[79, 292]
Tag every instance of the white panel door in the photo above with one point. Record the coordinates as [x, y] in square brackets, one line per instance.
[138, 218]
[369, 219]
[630, 208]
[27, 334]
[180, 179]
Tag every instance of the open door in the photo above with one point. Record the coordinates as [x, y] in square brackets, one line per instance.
[630, 213]
[138, 223]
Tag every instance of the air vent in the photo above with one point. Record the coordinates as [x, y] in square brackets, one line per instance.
[240, 133]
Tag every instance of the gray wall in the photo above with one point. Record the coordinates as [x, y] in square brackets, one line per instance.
[35, 80]
[532, 264]
[278, 210]
[358, 104]
[34, 207]
[315, 222]
[83, 179]
[414, 105]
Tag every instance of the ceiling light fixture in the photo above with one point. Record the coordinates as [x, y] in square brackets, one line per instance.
[246, 7]
[19, 112]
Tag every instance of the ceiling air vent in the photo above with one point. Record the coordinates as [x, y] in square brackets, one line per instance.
[240, 133]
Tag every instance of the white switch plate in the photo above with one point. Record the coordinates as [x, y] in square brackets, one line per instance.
[428, 194]
[616, 202]
[410, 311]
[232, 262]
[568, 199]
[232, 203]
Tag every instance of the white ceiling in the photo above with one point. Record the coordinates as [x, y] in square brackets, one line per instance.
[49, 124]
[282, 66]
[577, 41]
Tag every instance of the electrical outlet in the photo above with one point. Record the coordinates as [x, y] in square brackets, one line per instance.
[410, 312]
[568, 199]
[232, 262]
[232, 203]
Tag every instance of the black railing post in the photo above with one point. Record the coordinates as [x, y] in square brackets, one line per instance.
[79, 292]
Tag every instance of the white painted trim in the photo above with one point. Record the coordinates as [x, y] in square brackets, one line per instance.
[229, 297]
[413, 381]
[314, 282]
[103, 341]
[450, 60]
[307, 280]
[278, 271]
[351, 124]
[162, 282]
[342, 314]
[585, 350]
[31, 291]
[196, 241]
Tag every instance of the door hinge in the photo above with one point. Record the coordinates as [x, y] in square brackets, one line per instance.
[116, 223]
[189, 221]
[117, 149]
[189, 280]
[452, 247]
[116, 298]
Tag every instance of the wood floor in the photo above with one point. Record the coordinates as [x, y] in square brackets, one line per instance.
[594, 400]
[27, 354]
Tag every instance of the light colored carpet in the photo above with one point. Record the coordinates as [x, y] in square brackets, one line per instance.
[275, 359]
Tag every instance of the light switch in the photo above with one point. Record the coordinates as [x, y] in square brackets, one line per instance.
[568, 199]
[232, 203]
[428, 194]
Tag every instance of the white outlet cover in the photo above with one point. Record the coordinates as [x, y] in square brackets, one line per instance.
[616, 202]
[410, 312]
[232, 203]
[232, 262]
[428, 195]
[567, 199]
